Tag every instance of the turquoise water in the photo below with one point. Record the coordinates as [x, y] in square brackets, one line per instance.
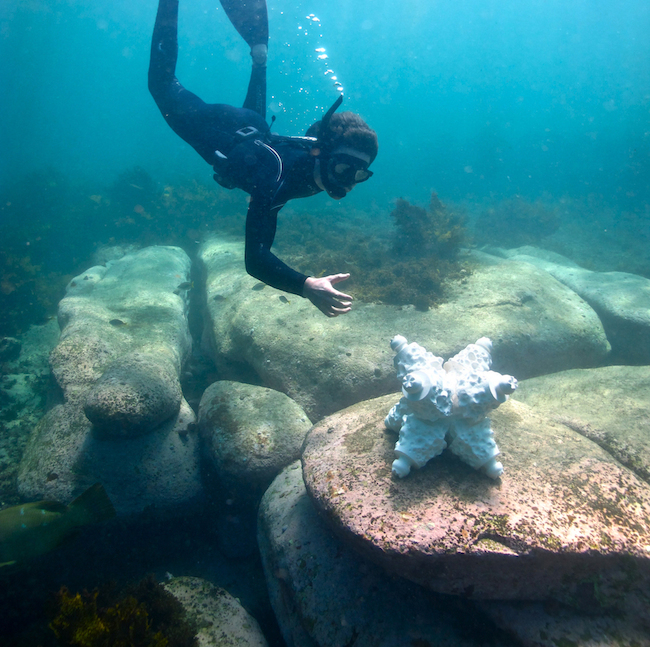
[539, 102]
[470, 98]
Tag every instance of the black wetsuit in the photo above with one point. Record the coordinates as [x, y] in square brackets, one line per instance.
[272, 170]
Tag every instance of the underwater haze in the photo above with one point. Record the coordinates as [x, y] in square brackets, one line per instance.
[509, 204]
[470, 98]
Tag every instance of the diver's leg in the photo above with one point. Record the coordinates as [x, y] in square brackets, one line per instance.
[250, 19]
[187, 115]
[164, 51]
[256, 95]
[174, 101]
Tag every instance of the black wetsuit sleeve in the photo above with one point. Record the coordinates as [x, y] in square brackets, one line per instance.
[261, 222]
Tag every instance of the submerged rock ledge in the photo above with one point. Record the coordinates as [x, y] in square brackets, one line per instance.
[537, 326]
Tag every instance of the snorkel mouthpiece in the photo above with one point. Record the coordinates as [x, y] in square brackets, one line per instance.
[335, 190]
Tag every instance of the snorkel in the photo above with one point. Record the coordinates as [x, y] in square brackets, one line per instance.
[333, 188]
[342, 157]
[325, 121]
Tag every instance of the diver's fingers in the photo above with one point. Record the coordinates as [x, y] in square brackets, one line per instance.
[325, 297]
[334, 312]
[339, 300]
[336, 278]
[333, 308]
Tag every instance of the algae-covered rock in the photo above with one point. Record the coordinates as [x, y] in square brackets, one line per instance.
[539, 624]
[609, 405]
[325, 594]
[132, 397]
[129, 311]
[621, 300]
[63, 457]
[250, 432]
[536, 324]
[124, 339]
[564, 521]
[222, 621]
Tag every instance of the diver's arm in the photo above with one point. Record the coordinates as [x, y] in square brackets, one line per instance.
[261, 263]
[264, 265]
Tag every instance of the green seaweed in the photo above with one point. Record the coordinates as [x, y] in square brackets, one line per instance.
[435, 231]
[412, 266]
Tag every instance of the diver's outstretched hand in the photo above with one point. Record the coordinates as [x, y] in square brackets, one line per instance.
[325, 297]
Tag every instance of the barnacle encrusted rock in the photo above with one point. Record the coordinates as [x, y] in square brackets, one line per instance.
[564, 515]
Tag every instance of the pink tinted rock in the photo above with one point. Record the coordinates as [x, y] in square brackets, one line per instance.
[564, 515]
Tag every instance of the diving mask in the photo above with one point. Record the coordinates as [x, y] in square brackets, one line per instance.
[348, 170]
[347, 166]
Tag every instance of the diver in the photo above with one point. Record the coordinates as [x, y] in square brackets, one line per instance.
[334, 156]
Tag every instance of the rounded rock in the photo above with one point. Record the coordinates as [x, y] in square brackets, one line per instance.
[250, 432]
[565, 514]
[133, 397]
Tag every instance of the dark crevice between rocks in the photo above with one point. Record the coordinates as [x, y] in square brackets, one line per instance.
[469, 621]
[199, 371]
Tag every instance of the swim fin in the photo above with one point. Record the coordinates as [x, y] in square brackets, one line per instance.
[250, 18]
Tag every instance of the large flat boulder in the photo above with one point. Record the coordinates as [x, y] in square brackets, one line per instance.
[323, 593]
[123, 420]
[563, 516]
[609, 405]
[537, 326]
[621, 300]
